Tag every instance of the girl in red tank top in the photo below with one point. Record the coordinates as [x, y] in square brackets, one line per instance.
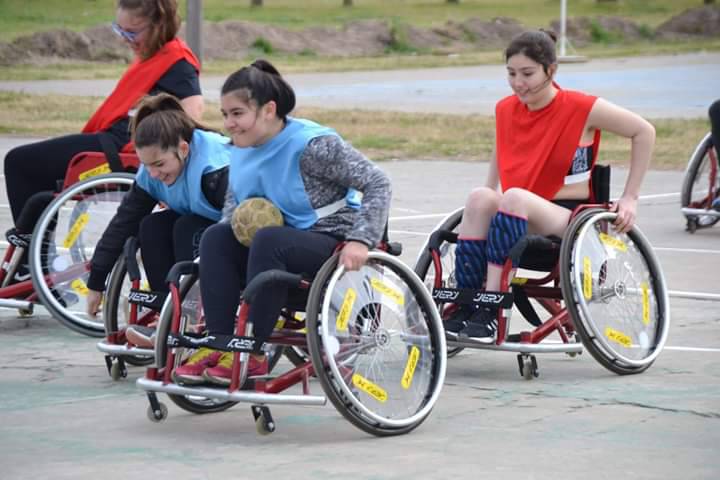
[546, 143]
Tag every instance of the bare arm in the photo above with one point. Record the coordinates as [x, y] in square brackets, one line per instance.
[612, 118]
[492, 177]
[194, 106]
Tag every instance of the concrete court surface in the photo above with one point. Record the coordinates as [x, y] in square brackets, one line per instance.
[62, 417]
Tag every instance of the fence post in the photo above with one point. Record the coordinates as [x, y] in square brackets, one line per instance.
[193, 27]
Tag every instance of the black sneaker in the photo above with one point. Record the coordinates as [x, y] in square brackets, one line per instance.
[481, 326]
[22, 273]
[458, 320]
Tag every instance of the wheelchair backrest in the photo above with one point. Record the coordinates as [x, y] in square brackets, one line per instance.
[600, 184]
[85, 165]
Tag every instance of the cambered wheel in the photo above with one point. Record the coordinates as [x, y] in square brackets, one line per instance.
[377, 344]
[424, 265]
[63, 243]
[615, 292]
[701, 185]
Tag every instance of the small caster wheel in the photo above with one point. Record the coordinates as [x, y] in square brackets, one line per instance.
[691, 225]
[264, 423]
[25, 312]
[157, 415]
[528, 366]
[118, 370]
[572, 354]
[264, 428]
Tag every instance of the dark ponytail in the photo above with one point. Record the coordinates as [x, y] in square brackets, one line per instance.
[537, 45]
[161, 121]
[260, 82]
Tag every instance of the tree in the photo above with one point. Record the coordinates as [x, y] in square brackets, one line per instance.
[256, 3]
[347, 3]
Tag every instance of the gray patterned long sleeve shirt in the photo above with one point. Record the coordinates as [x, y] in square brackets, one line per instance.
[329, 166]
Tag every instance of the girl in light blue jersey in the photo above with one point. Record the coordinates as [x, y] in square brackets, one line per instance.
[310, 173]
[184, 166]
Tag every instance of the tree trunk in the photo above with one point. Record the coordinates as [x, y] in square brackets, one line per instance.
[347, 3]
[256, 3]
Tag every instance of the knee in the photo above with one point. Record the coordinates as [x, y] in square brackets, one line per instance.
[482, 201]
[714, 112]
[265, 241]
[513, 200]
[148, 230]
[215, 238]
[13, 161]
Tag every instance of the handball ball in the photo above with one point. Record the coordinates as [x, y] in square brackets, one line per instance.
[253, 214]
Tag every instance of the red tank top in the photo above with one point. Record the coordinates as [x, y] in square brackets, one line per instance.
[535, 148]
[136, 82]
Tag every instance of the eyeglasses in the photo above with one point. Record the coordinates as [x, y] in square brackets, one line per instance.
[129, 36]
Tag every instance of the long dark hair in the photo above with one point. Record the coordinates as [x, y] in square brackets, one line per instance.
[164, 22]
[161, 121]
[537, 45]
[260, 82]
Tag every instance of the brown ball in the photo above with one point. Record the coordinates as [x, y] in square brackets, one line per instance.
[253, 214]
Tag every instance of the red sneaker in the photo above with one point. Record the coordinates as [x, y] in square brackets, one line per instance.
[221, 373]
[191, 372]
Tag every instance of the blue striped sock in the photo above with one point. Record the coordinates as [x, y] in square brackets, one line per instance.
[470, 263]
[505, 231]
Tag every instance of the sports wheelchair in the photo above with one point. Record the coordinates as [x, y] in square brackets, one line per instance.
[374, 338]
[64, 238]
[603, 291]
[701, 186]
[129, 301]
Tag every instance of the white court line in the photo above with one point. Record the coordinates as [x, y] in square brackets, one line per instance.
[686, 250]
[692, 349]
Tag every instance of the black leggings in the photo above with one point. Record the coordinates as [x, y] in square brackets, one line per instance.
[714, 114]
[37, 167]
[165, 238]
[227, 266]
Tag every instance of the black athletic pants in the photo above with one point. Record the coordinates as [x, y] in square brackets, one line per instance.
[165, 238]
[227, 266]
[37, 167]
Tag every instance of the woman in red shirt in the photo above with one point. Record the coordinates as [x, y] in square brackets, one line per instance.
[545, 147]
[163, 63]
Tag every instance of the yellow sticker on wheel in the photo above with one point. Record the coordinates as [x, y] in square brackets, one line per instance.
[645, 303]
[94, 172]
[587, 278]
[369, 387]
[518, 281]
[76, 229]
[618, 337]
[388, 291]
[410, 366]
[80, 287]
[613, 242]
[344, 315]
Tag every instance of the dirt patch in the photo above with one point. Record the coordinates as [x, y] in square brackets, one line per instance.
[703, 21]
[237, 40]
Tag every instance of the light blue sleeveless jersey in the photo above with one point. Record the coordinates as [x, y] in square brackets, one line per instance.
[272, 171]
[209, 152]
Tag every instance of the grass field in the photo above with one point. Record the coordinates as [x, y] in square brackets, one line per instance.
[20, 17]
[381, 135]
